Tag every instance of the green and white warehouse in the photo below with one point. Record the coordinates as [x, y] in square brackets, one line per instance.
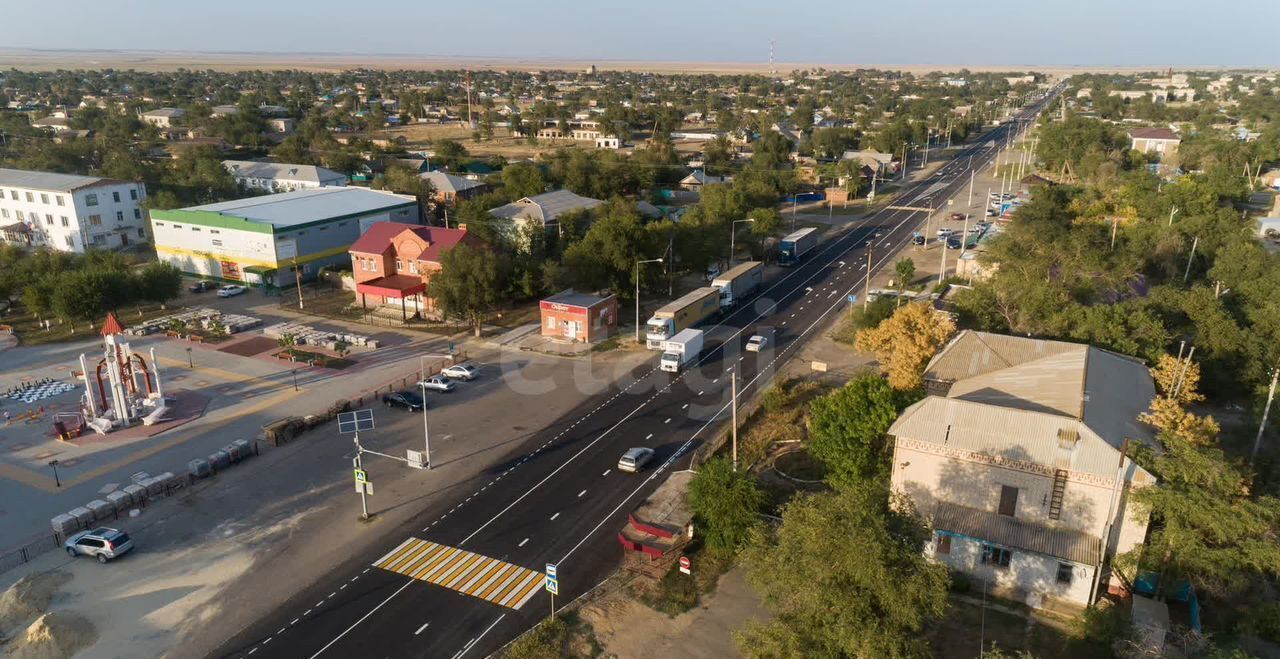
[258, 240]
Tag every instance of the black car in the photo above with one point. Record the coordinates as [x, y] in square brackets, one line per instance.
[953, 243]
[918, 239]
[404, 399]
[201, 286]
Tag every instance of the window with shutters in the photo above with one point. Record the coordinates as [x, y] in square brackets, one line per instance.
[1008, 501]
[943, 545]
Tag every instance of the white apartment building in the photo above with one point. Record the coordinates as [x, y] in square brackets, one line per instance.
[70, 213]
[282, 177]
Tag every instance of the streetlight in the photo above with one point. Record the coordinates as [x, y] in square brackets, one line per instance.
[732, 234]
[189, 362]
[56, 481]
[638, 264]
[426, 430]
[295, 379]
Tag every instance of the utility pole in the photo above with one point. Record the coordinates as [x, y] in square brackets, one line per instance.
[359, 465]
[971, 173]
[942, 270]
[733, 383]
[638, 264]
[866, 286]
[297, 276]
[1271, 395]
[426, 431]
[1190, 258]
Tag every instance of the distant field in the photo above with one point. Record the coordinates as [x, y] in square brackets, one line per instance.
[47, 60]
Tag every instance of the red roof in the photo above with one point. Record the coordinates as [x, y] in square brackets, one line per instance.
[1154, 134]
[377, 240]
[112, 325]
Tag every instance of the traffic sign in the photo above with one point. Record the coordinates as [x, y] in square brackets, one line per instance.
[553, 586]
[551, 570]
[365, 488]
[361, 476]
[853, 298]
[685, 564]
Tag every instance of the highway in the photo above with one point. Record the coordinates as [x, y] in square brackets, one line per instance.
[465, 576]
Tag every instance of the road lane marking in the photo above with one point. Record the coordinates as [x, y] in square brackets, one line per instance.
[606, 472]
[356, 623]
[668, 420]
[553, 517]
[295, 621]
[462, 571]
[424, 626]
[581, 493]
[649, 436]
[523, 542]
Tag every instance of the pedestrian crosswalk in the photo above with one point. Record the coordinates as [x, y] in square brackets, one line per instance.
[489, 579]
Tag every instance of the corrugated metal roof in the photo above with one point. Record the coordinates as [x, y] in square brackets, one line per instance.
[302, 206]
[52, 181]
[282, 171]
[1007, 434]
[973, 353]
[545, 207]
[445, 182]
[1013, 533]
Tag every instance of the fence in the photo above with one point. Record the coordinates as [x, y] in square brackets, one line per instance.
[27, 551]
[611, 584]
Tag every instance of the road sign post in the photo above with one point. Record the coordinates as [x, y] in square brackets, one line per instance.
[352, 423]
[685, 565]
[552, 584]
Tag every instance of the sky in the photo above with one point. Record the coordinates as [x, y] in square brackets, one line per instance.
[978, 32]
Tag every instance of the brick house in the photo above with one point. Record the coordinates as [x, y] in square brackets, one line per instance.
[1160, 141]
[392, 264]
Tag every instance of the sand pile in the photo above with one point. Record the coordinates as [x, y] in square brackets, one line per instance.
[27, 599]
[55, 635]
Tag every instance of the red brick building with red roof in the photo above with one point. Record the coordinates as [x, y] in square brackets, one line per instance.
[393, 263]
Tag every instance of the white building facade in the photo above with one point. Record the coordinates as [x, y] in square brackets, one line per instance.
[71, 213]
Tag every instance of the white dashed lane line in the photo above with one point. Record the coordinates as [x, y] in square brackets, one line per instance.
[606, 472]
[424, 626]
[523, 542]
[553, 517]
[581, 494]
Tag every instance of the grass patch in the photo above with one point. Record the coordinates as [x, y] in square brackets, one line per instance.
[31, 332]
[676, 592]
[875, 312]
[966, 628]
[314, 358]
[565, 635]
[611, 343]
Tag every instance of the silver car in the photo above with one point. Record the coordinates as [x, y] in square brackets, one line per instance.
[438, 383]
[461, 372]
[635, 459]
[102, 543]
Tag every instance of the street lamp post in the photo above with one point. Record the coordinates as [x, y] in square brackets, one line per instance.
[732, 234]
[422, 391]
[638, 264]
[190, 364]
[56, 481]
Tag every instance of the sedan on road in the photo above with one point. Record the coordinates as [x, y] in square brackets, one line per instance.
[461, 372]
[406, 400]
[959, 217]
[101, 543]
[635, 459]
[438, 383]
[201, 286]
[230, 290]
[953, 243]
[755, 343]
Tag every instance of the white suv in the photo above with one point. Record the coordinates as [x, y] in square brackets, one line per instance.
[102, 543]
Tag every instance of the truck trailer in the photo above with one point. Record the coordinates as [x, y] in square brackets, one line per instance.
[794, 247]
[680, 350]
[693, 308]
[739, 282]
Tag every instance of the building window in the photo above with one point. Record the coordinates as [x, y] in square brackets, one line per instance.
[91, 200]
[115, 196]
[44, 199]
[21, 216]
[48, 218]
[119, 216]
[413, 267]
[30, 197]
[1065, 573]
[64, 220]
[95, 220]
[1008, 501]
[551, 322]
[195, 229]
[13, 194]
[4, 212]
[943, 545]
[142, 233]
[217, 243]
[59, 200]
[399, 265]
[373, 265]
[997, 557]
[133, 194]
[70, 242]
[364, 265]
[137, 213]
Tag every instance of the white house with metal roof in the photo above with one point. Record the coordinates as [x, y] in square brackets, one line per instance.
[259, 240]
[543, 210]
[70, 213]
[1017, 459]
[281, 177]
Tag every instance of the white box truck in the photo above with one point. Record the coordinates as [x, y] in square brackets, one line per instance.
[680, 350]
[739, 282]
[681, 314]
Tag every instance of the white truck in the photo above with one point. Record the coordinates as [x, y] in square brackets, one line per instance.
[739, 282]
[680, 350]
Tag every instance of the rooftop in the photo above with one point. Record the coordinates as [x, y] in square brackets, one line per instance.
[281, 171]
[21, 178]
[1012, 533]
[546, 207]
[286, 209]
[379, 237]
[1154, 134]
[446, 182]
[573, 298]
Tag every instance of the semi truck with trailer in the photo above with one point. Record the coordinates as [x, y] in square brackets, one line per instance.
[680, 350]
[691, 309]
[739, 282]
[793, 248]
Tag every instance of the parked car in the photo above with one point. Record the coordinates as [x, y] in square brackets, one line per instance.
[635, 459]
[918, 239]
[230, 290]
[755, 343]
[944, 232]
[438, 383]
[991, 212]
[953, 243]
[461, 372]
[102, 543]
[404, 400]
[712, 272]
[201, 286]
[959, 217]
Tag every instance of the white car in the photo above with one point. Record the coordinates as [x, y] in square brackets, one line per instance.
[944, 232]
[438, 383]
[230, 290]
[755, 343]
[461, 372]
[635, 459]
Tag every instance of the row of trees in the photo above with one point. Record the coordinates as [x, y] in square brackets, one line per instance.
[82, 287]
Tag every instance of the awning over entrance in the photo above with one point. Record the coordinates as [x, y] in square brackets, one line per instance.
[394, 286]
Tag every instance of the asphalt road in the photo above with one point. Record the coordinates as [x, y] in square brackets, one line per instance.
[559, 497]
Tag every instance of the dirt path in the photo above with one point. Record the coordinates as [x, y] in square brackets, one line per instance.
[629, 629]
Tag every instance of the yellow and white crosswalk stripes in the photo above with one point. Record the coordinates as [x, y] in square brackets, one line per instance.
[489, 579]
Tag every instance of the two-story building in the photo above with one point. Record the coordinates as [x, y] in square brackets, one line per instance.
[393, 262]
[1160, 141]
[70, 213]
[1017, 458]
[164, 117]
[276, 239]
[281, 177]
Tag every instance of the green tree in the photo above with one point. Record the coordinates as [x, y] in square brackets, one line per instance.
[847, 427]
[472, 282]
[906, 271]
[845, 577]
[726, 504]
[606, 255]
[450, 153]
[159, 283]
[523, 180]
